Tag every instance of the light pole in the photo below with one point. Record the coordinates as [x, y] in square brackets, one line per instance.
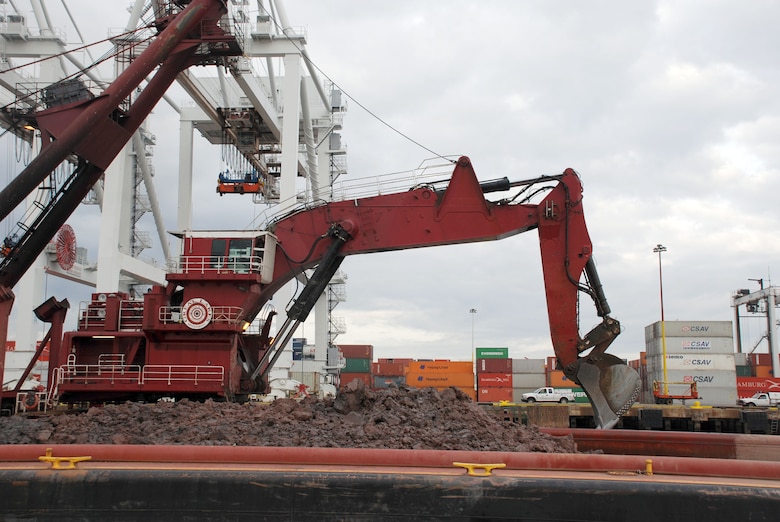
[473, 313]
[660, 248]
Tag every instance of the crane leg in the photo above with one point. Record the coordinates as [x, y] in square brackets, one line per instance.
[6, 303]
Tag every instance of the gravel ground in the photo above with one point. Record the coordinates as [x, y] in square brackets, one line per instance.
[395, 418]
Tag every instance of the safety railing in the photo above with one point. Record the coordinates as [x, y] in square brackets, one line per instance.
[92, 314]
[131, 315]
[181, 373]
[111, 359]
[94, 373]
[435, 173]
[215, 264]
[170, 374]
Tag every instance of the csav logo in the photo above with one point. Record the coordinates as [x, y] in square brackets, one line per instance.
[696, 345]
[697, 362]
[695, 328]
[699, 378]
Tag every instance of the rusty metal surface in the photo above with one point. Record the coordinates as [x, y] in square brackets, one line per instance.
[11, 455]
[239, 491]
[679, 444]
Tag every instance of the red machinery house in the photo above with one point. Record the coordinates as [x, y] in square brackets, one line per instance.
[186, 339]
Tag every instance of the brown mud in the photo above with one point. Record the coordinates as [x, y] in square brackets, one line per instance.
[394, 418]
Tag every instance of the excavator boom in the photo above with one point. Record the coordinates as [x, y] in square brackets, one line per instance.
[425, 216]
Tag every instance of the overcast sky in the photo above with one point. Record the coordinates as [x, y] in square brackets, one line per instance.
[667, 110]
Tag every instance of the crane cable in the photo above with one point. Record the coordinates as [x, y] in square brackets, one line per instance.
[353, 99]
[105, 57]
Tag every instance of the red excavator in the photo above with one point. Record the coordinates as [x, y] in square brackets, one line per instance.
[188, 338]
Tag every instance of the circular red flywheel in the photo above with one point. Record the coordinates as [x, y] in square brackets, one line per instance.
[66, 247]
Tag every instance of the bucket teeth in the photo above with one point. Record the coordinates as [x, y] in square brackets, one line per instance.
[611, 386]
[627, 405]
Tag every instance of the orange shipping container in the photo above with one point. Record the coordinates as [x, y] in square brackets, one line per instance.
[494, 394]
[440, 380]
[494, 380]
[441, 367]
[390, 369]
[556, 378]
[346, 378]
[760, 359]
[763, 371]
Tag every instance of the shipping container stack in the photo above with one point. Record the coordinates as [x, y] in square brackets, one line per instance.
[640, 366]
[527, 376]
[700, 352]
[303, 367]
[754, 374]
[494, 375]
[744, 366]
[358, 358]
[761, 364]
[442, 374]
[389, 372]
[555, 377]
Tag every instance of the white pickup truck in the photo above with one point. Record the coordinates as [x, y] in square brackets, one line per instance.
[765, 399]
[548, 394]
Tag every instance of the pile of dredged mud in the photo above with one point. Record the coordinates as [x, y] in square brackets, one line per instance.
[393, 418]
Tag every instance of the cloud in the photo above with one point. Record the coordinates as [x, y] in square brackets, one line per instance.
[668, 111]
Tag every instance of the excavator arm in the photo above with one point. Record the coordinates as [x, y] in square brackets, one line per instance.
[428, 216]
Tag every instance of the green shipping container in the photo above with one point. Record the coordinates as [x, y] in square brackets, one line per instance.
[492, 353]
[357, 366]
[580, 395]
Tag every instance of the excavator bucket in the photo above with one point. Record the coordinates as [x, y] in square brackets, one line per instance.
[611, 386]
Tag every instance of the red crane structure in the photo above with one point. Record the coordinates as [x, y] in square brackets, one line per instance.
[189, 338]
[89, 129]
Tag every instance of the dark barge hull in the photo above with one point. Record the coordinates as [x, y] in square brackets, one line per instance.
[252, 483]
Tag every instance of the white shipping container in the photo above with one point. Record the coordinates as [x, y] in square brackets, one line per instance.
[708, 396]
[310, 379]
[278, 373]
[714, 396]
[689, 329]
[691, 345]
[304, 365]
[703, 379]
[528, 380]
[528, 366]
[689, 361]
[18, 358]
